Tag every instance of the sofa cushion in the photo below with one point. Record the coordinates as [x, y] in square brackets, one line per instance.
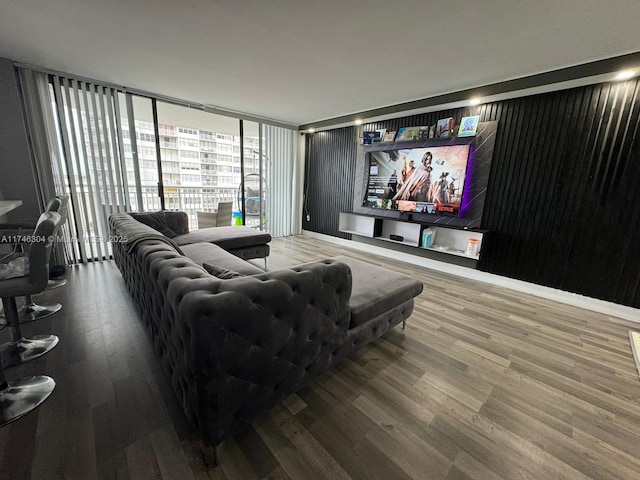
[220, 272]
[228, 238]
[156, 220]
[202, 253]
[129, 232]
[178, 221]
[376, 290]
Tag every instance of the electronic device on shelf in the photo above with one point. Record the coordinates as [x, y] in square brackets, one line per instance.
[397, 238]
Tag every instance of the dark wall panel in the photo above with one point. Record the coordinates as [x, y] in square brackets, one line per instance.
[562, 200]
[329, 179]
[17, 177]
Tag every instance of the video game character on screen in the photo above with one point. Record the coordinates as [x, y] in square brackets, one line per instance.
[431, 179]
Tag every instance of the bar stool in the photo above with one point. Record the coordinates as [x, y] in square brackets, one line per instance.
[21, 349]
[31, 311]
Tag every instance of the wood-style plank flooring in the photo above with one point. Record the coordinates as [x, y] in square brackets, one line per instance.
[484, 383]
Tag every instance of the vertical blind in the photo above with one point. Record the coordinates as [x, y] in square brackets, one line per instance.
[78, 128]
[92, 140]
[41, 123]
[283, 202]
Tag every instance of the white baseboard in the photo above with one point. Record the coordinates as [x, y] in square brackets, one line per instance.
[593, 304]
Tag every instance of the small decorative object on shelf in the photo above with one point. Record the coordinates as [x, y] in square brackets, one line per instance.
[428, 236]
[444, 127]
[469, 126]
[472, 246]
[389, 136]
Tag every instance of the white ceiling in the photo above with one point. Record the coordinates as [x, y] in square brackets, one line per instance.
[298, 61]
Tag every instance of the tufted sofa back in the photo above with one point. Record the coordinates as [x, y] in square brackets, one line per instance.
[177, 221]
[233, 348]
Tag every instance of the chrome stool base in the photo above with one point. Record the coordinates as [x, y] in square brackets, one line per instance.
[26, 349]
[33, 312]
[51, 284]
[19, 397]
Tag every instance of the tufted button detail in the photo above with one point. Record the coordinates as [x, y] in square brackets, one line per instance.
[246, 336]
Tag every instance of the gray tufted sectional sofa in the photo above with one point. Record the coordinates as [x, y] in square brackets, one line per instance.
[234, 348]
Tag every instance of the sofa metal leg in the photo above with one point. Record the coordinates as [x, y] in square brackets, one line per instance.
[404, 323]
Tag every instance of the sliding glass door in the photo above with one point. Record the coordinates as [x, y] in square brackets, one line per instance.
[113, 151]
[141, 153]
[252, 193]
[204, 160]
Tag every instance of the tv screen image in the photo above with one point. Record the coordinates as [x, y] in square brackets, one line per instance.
[423, 180]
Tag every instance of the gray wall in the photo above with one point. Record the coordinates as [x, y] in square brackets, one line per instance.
[17, 179]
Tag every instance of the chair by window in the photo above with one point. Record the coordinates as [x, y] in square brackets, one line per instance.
[221, 218]
[207, 219]
[225, 210]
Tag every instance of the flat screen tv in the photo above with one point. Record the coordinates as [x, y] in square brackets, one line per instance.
[426, 180]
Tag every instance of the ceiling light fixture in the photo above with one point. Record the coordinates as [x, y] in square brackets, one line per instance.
[625, 75]
[358, 121]
[474, 101]
[311, 130]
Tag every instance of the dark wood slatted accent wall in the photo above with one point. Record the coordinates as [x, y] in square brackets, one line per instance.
[563, 198]
[563, 192]
[329, 179]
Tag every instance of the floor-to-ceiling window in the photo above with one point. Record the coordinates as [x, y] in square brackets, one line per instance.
[114, 151]
[255, 189]
[203, 160]
[90, 166]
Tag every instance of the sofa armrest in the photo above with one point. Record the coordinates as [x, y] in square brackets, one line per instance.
[177, 221]
[255, 340]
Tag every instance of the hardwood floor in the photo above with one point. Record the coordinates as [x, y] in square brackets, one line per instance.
[484, 383]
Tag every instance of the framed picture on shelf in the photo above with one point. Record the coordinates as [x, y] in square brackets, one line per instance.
[369, 137]
[389, 137]
[469, 126]
[444, 127]
[378, 138]
[406, 134]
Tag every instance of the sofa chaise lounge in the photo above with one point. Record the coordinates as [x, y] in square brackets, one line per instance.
[233, 348]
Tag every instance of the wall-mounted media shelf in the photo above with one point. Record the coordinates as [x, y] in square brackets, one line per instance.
[455, 241]
[409, 232]
[359, 225]
[452, 241]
